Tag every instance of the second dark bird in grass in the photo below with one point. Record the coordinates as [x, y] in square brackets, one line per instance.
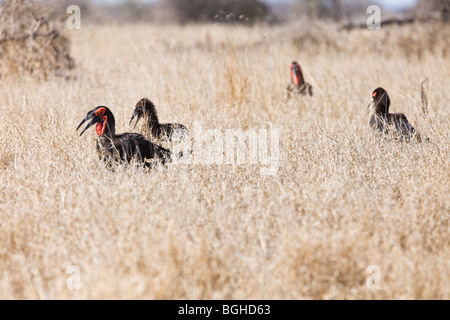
[145, 110]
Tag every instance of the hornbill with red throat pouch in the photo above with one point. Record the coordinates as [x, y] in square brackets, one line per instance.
[123, 146]
[382, 120]
[298, 84]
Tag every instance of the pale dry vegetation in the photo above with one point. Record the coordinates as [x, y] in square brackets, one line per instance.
[342, 199]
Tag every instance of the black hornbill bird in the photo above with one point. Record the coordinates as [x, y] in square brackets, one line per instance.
[298, 84]
[123, 146]
[146, 109]
[383, 121]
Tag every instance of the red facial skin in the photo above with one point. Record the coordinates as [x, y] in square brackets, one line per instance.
[101, 126]
[296, 75]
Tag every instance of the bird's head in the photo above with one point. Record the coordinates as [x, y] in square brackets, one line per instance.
[144, 107]
[102, 117]
[381, 100]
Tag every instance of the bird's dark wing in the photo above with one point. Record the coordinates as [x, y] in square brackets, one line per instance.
[403, 126]
[134, 145]
[170, 129]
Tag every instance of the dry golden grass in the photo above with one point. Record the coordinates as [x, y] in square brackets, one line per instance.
[342, 199]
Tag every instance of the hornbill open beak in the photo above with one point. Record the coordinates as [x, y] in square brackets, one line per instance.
[138, 114]
[90, 115]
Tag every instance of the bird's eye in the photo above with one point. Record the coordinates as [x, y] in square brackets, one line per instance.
[100, 112]
[374, 94]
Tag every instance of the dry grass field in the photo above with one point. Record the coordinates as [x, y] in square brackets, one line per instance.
[342, 199]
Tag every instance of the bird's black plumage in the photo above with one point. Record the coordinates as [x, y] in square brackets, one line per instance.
[124, 146]
[383, 121]
[146, 110]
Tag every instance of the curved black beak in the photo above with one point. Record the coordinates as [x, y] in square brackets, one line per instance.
[90, 115]
[138, 114]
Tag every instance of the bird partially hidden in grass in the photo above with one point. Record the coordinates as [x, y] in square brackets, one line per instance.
[174, 136]
[124, 146]
[298, 84]
[385, 122]
[145, 109]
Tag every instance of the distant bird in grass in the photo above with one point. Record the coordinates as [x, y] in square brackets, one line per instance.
[298, 84]
[385, 122]
[145, 109]
[124, 146]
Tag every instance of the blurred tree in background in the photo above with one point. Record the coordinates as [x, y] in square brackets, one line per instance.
[236, 11]
[336, 10]
[250, 11]
[426, 7]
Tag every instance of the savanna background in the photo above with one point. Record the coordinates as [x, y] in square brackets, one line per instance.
[341, 201]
